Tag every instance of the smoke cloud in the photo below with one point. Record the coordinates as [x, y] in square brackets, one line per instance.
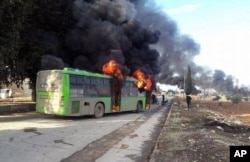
[134, 33]
[177, 51]
[106, 30]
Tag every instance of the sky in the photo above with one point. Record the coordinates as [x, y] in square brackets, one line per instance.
[221, 27]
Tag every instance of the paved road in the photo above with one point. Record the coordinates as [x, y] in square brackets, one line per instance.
[29, 137]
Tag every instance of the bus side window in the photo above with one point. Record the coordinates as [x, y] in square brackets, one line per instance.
[133, 89]
[91, 86]
[92, 90]
[86, 80]
[94, 81]
[125, 90]
[76, 85]
[100, 87]
[80, 86]
[105, 89]
[79, 80]
[72, 79]
[106, 82]
[100, 81]
[73, 89]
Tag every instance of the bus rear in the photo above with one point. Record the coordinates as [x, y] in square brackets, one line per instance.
[49, 92]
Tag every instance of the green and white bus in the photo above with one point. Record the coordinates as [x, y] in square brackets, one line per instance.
[72, 92]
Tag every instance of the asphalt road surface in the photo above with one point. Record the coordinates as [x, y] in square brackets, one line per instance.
[29, 137]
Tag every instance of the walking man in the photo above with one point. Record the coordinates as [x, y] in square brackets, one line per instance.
[188, 98]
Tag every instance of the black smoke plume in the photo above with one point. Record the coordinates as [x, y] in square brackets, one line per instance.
[134, 33]
[177, 51]
[105, 30]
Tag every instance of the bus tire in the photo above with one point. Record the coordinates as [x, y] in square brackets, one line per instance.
[138, 107]
[99, 110]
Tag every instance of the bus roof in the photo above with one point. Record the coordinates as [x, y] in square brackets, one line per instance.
[85, 73]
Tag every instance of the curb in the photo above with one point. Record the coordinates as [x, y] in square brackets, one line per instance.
[155, 147]
[22, 107]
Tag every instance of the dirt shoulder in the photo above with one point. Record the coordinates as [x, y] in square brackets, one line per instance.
[200, 134]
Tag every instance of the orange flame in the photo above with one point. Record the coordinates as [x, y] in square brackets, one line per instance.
[142, 81]
[112, 68]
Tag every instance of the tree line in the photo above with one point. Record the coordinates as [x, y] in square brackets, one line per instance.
[23, 26]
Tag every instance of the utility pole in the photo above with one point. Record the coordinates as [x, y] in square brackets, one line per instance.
[184, 85]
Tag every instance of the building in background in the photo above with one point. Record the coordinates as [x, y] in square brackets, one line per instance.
[13, 91]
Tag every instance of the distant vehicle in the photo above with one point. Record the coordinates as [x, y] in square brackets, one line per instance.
[5, 93]
[72, 92]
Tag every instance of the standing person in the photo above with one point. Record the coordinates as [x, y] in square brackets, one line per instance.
[163, 102]
[188, 98]
[154, 101]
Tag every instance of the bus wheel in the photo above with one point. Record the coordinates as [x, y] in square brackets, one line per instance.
[138, 107]
[99, 110]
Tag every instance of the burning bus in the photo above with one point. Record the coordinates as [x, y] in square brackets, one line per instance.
[73, 92]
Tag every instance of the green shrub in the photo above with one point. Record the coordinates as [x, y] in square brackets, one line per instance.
[236, 99]
[246, 99]
[217, 98]
[228, 98]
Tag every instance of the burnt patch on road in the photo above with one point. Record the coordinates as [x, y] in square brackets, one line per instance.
[11, 139]
[124, 146]
[31, 129]
[132, 156]
[133, 136]
[61, 141]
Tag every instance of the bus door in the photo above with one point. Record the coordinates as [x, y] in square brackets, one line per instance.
[116, 85]
[129, 97]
